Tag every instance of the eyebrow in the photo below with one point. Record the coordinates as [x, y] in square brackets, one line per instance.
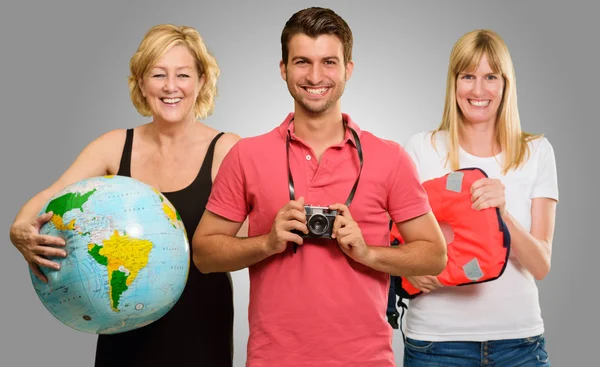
[307, 59]
[177, 68]
[473, 72]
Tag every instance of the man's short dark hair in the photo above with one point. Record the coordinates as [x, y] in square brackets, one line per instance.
[314, 22]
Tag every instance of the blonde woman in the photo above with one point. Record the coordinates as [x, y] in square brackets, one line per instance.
[173, 81]
[494, 323]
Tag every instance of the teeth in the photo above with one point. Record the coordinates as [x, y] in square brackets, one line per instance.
[316, 91]
[171, 100]
[479, 103]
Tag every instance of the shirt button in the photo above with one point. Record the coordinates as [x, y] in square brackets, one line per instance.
[308, 157]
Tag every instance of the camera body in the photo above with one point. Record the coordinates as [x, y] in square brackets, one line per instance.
[319, 221]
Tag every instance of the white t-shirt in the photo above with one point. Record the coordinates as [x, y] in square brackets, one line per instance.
[508, 307]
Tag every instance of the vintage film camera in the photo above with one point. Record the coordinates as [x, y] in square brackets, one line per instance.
[319, 221]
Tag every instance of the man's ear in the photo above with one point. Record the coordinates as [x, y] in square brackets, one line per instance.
[283, 70]
[349, 68]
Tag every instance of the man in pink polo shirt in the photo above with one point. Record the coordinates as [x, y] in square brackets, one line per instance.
[319, 268]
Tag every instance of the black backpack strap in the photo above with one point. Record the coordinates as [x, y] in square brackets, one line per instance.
[404, 307]
[391, 311]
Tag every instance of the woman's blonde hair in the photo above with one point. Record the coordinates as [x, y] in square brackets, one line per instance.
[465, 56]
[157, 41]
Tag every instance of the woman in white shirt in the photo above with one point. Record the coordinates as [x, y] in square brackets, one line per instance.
[495, 323]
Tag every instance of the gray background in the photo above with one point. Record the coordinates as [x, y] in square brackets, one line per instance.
[63, 82]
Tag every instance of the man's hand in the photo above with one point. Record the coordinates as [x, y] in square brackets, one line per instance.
[348, 235]
[290, 217]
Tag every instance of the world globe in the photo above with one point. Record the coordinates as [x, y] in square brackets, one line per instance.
[127, 255]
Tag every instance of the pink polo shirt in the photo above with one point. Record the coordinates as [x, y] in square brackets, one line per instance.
[318, 307]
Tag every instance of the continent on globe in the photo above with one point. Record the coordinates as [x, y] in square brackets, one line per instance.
[65, 203]
[123, 257]
[170, 211]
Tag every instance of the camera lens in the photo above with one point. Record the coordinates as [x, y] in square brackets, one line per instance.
[318, 224]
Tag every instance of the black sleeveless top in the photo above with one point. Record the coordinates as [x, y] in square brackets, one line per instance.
[198, 330]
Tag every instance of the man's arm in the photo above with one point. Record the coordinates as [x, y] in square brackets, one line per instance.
[424, 251]
[217, 249]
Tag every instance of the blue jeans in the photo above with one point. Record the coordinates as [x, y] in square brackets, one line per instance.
[526, 352]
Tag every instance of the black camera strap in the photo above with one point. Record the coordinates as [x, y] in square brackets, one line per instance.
[291, 179]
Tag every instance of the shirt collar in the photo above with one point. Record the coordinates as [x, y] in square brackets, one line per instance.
[288, 126]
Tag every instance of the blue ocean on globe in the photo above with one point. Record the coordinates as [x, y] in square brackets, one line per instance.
[127, 255]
